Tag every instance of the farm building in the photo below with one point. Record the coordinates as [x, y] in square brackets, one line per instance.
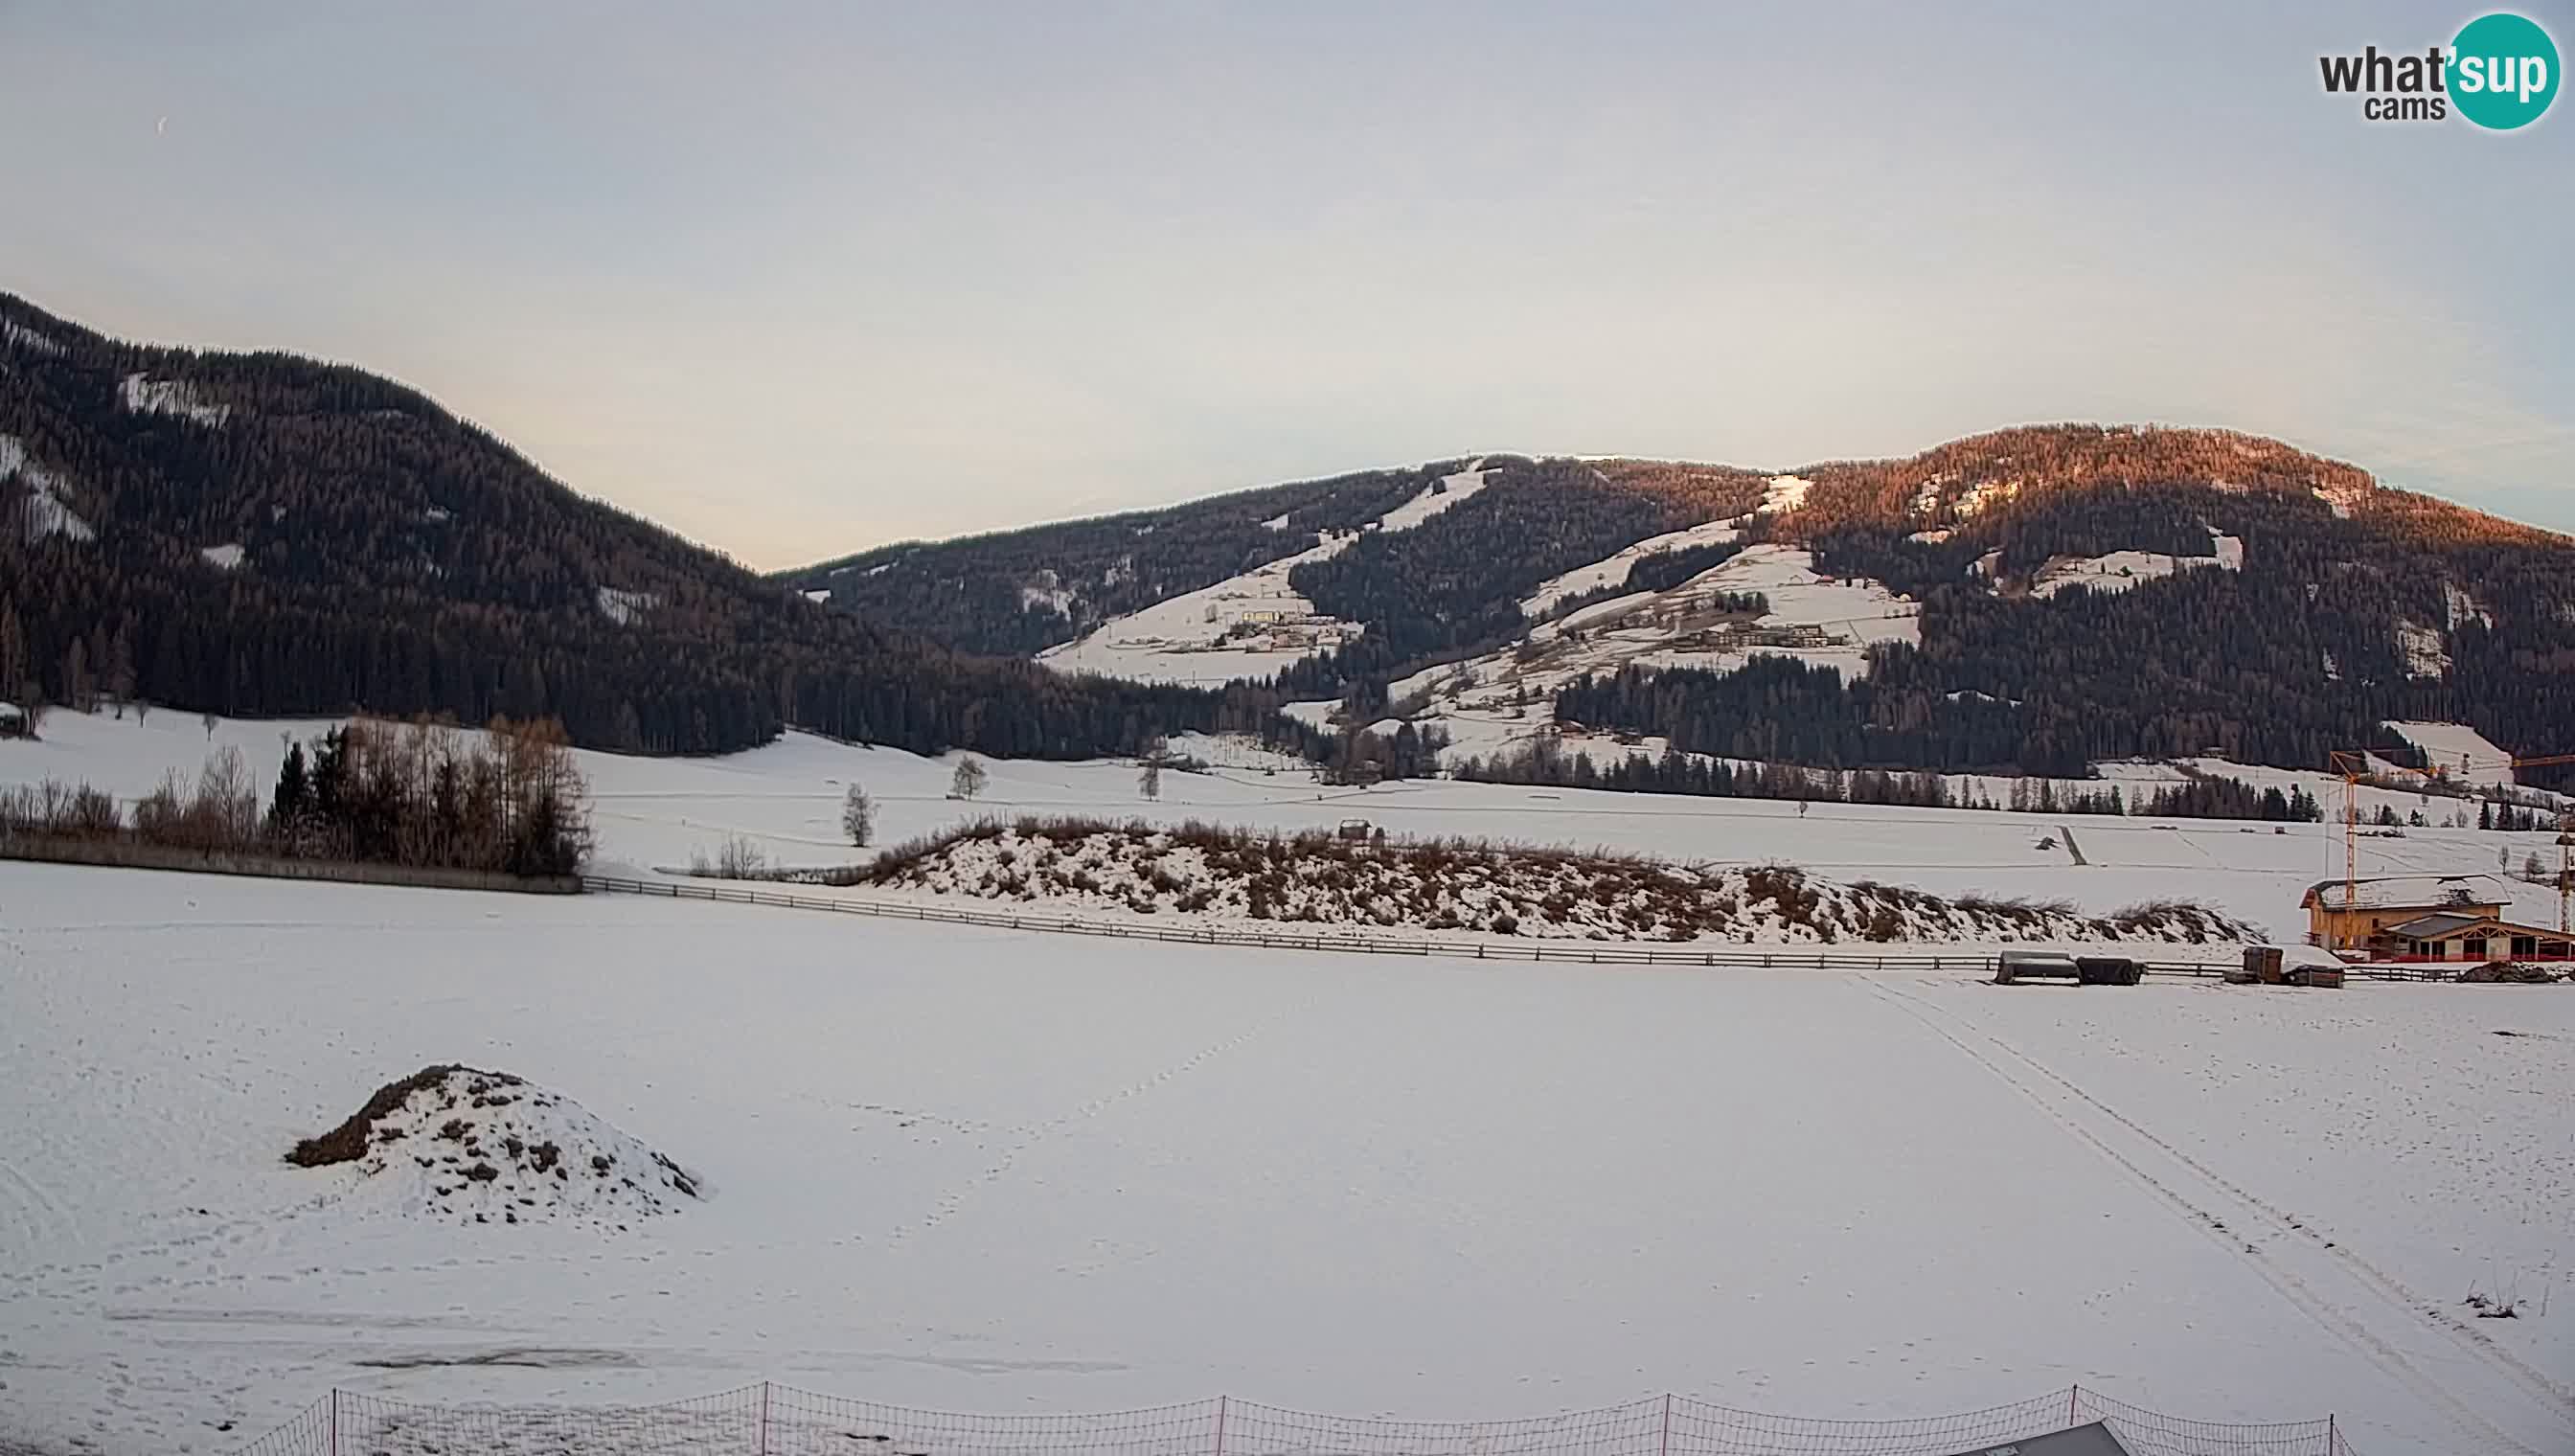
[2461, 936]
[13, 720]
[2341, 917]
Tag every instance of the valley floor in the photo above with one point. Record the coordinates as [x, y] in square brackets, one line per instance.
[785, 799]
[981, 1170]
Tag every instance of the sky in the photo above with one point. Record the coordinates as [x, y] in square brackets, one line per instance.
[798, 279]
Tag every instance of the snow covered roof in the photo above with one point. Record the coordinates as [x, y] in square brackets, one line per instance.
[11, 709]
[2409, 891]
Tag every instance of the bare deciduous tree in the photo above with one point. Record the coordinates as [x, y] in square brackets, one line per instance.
[737, 857]
[970, 778]
[858, 816]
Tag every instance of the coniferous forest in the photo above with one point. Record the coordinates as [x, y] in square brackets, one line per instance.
[260, 534]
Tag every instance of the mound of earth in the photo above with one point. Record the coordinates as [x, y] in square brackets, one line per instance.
[471, 1147]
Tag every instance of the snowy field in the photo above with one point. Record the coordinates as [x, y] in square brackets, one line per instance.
[983, 1170]
[653, 813]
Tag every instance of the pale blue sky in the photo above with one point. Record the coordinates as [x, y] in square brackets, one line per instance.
[796, 279]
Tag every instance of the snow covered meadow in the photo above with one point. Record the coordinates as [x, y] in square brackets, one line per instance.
[982, 1170]
[978, 1169]
[785, 799]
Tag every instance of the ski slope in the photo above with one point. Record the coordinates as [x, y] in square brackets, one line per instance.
[981, 1171]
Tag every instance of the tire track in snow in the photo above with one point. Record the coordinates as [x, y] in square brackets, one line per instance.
[2393, 1289]
[2068, 1106]
[29, 1211]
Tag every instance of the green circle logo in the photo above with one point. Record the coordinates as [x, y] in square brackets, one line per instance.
[2503, 71]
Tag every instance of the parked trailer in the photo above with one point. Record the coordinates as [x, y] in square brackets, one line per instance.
[2108, 971]
[2017, 965]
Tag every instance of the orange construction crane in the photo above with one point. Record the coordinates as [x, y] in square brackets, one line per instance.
[2355, 765]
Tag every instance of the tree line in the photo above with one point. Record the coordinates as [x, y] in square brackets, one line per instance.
[422, 794]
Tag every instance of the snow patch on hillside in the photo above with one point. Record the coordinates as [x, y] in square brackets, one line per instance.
[227, 557]
[818, 595]
[464, 1147]
[1931, 538]
[1785, 494]
[2425, 653]
[2459, 751]
[1452, 490]
[1489, 701]
[2121, 570]
[626, 607]
[1053, 597]
[1612, 570]
[2341, 499]
[1246, 625]
[2464, 609]
[1276, 523]
[1982, 497]
[170, 397]
[47, 514]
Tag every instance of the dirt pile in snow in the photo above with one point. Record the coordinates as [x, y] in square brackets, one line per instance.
[469, 1146]
[2495, 971]
[1320, 878]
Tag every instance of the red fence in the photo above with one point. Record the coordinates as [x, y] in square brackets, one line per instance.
[779, 1420]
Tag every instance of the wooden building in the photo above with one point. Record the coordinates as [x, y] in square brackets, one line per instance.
[2454, 936]
[2374, 906]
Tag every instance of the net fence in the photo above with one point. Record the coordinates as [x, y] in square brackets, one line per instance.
[781, 1420]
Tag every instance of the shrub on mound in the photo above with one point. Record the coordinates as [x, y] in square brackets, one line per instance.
[349, 1141]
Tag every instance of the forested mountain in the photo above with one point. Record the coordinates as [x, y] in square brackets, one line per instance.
[1020, 591]
[262, 534]
[2075, 593]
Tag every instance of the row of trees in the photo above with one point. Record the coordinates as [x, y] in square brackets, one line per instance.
[509, 799]
[1545, 759]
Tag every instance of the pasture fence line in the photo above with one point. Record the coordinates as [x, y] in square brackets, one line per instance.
[1847, 956]
[769, 1419]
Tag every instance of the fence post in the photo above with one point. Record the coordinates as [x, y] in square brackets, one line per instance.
[334, 1421]
[1666, 1448]
[2073, 1405]
[1221, 1402]
[764, 1417]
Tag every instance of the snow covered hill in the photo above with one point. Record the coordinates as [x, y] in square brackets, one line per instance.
[1240, 877]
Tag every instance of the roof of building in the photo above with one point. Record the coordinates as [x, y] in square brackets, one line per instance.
[11, 709]
[2433, 928]
[2438, 927]
[2409, 891]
